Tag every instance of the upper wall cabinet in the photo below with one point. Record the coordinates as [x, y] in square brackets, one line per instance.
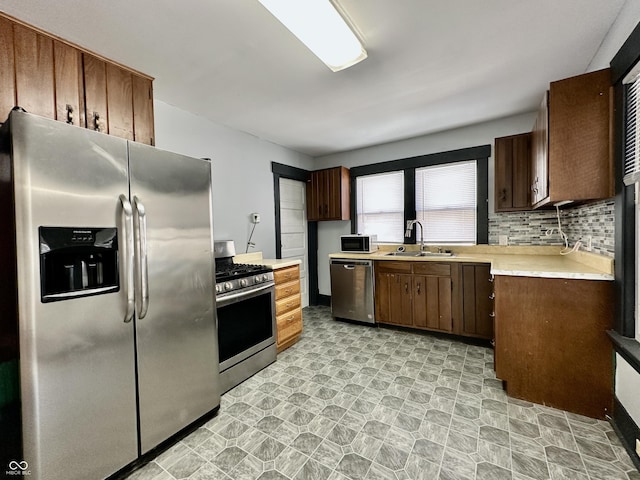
[328, 195]
[55, 79]
[572, 158]
[512, 173]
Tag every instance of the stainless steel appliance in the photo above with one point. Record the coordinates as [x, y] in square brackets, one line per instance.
[352, 289]
[358, 243]
[245, 298]
[108, 291]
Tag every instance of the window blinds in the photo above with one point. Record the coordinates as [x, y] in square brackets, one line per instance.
[380, 206]
[632, 134]
[446, 202]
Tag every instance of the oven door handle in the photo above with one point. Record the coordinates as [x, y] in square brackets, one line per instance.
[239, 295]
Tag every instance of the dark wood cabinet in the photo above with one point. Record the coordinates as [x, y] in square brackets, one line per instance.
[35, 86]
[55, 79]
[551, 345]
[540, 155]
[69, 84]
[477, 301]
[119, 101]
[7, 69]
[143, 110]
[512, 158]
[417, 294]
[328, 195]
[577, 163]
[393, 302]
[95, 85]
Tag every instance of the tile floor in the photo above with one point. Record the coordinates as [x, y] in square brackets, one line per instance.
[355, 402]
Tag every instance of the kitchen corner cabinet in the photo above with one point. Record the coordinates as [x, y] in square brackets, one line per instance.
[477, 301]
[512, 157]
[328, 195]
[55, 79]
[421, 295]
[288, 306]
[551, 345]
[572, 156]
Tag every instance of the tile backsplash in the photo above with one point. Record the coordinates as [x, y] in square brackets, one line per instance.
[541, 227]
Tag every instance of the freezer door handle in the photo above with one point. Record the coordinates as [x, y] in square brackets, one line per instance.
[141, 243]
[128, 270]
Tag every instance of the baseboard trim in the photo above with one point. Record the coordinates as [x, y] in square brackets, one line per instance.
[324, 300]
[626, 429]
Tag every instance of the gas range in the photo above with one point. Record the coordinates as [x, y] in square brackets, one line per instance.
[232, 277]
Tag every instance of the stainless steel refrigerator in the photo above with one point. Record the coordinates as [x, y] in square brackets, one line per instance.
[107, 296]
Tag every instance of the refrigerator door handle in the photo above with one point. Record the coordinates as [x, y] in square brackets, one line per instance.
[143, 270]
[128, 270]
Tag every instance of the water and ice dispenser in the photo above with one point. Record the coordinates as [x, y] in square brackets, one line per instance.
[77, 262]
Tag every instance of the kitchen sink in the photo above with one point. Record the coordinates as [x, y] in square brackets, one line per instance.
[420, 254]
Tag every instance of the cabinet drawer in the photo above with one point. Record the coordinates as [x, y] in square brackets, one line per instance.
[284, 275]
[287, 304]
[393, 267]
[287, 289]
[289, 325]
[429, 268]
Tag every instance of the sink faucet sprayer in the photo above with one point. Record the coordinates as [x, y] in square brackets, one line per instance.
[407, 233]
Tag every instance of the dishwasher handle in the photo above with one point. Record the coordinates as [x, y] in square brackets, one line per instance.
[350, 264]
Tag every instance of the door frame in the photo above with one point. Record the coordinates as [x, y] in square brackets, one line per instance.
[294, 173]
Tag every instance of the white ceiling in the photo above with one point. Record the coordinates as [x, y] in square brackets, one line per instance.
[433, 65]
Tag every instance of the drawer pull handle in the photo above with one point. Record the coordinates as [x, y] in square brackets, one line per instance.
[492, 296]
[291, 318]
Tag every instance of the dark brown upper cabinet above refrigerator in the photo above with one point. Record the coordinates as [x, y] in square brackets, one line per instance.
[50, 77]
[572, 139]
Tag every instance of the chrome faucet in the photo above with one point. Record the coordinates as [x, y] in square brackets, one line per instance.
[407, 233]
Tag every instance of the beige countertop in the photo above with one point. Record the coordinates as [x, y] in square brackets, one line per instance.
[273, 263]
[543, 262]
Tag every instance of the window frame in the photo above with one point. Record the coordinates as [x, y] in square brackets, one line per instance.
[624, 333]
[409, 165]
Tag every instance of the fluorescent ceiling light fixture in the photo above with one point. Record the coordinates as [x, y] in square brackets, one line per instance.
[321, 28]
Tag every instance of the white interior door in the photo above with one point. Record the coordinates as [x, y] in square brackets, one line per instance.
[293, 228]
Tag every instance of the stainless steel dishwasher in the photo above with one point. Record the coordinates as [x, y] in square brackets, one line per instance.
[352, 289]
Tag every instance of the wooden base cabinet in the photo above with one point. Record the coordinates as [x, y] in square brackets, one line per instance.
[477, 301]
[551, 343]
[288, 306]
[420, 295]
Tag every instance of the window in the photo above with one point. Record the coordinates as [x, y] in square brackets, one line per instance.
[446, 202]
[380, 206]
[446, 192]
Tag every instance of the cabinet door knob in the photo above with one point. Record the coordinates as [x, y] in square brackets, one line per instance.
[96, 121]
[419, 288]
[492, 314]
[406, 288]
[492, 296]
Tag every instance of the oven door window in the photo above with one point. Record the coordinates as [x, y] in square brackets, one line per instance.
[243, 324]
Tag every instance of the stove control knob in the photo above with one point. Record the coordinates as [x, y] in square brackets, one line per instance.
[265, 277]
[243, 282]
[228, 285]
[258, 279]
[218, 288]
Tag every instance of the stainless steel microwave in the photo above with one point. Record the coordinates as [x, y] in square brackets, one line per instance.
[358, 243]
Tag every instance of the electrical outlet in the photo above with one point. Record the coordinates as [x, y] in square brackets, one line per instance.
[255, 218]
[637, 447]
[503, 239]
[589, 246]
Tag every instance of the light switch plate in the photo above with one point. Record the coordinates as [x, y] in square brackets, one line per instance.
[503, 239]
[637, 447]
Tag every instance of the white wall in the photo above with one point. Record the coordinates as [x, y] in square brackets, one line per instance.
[472, 136]
[242, 178]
